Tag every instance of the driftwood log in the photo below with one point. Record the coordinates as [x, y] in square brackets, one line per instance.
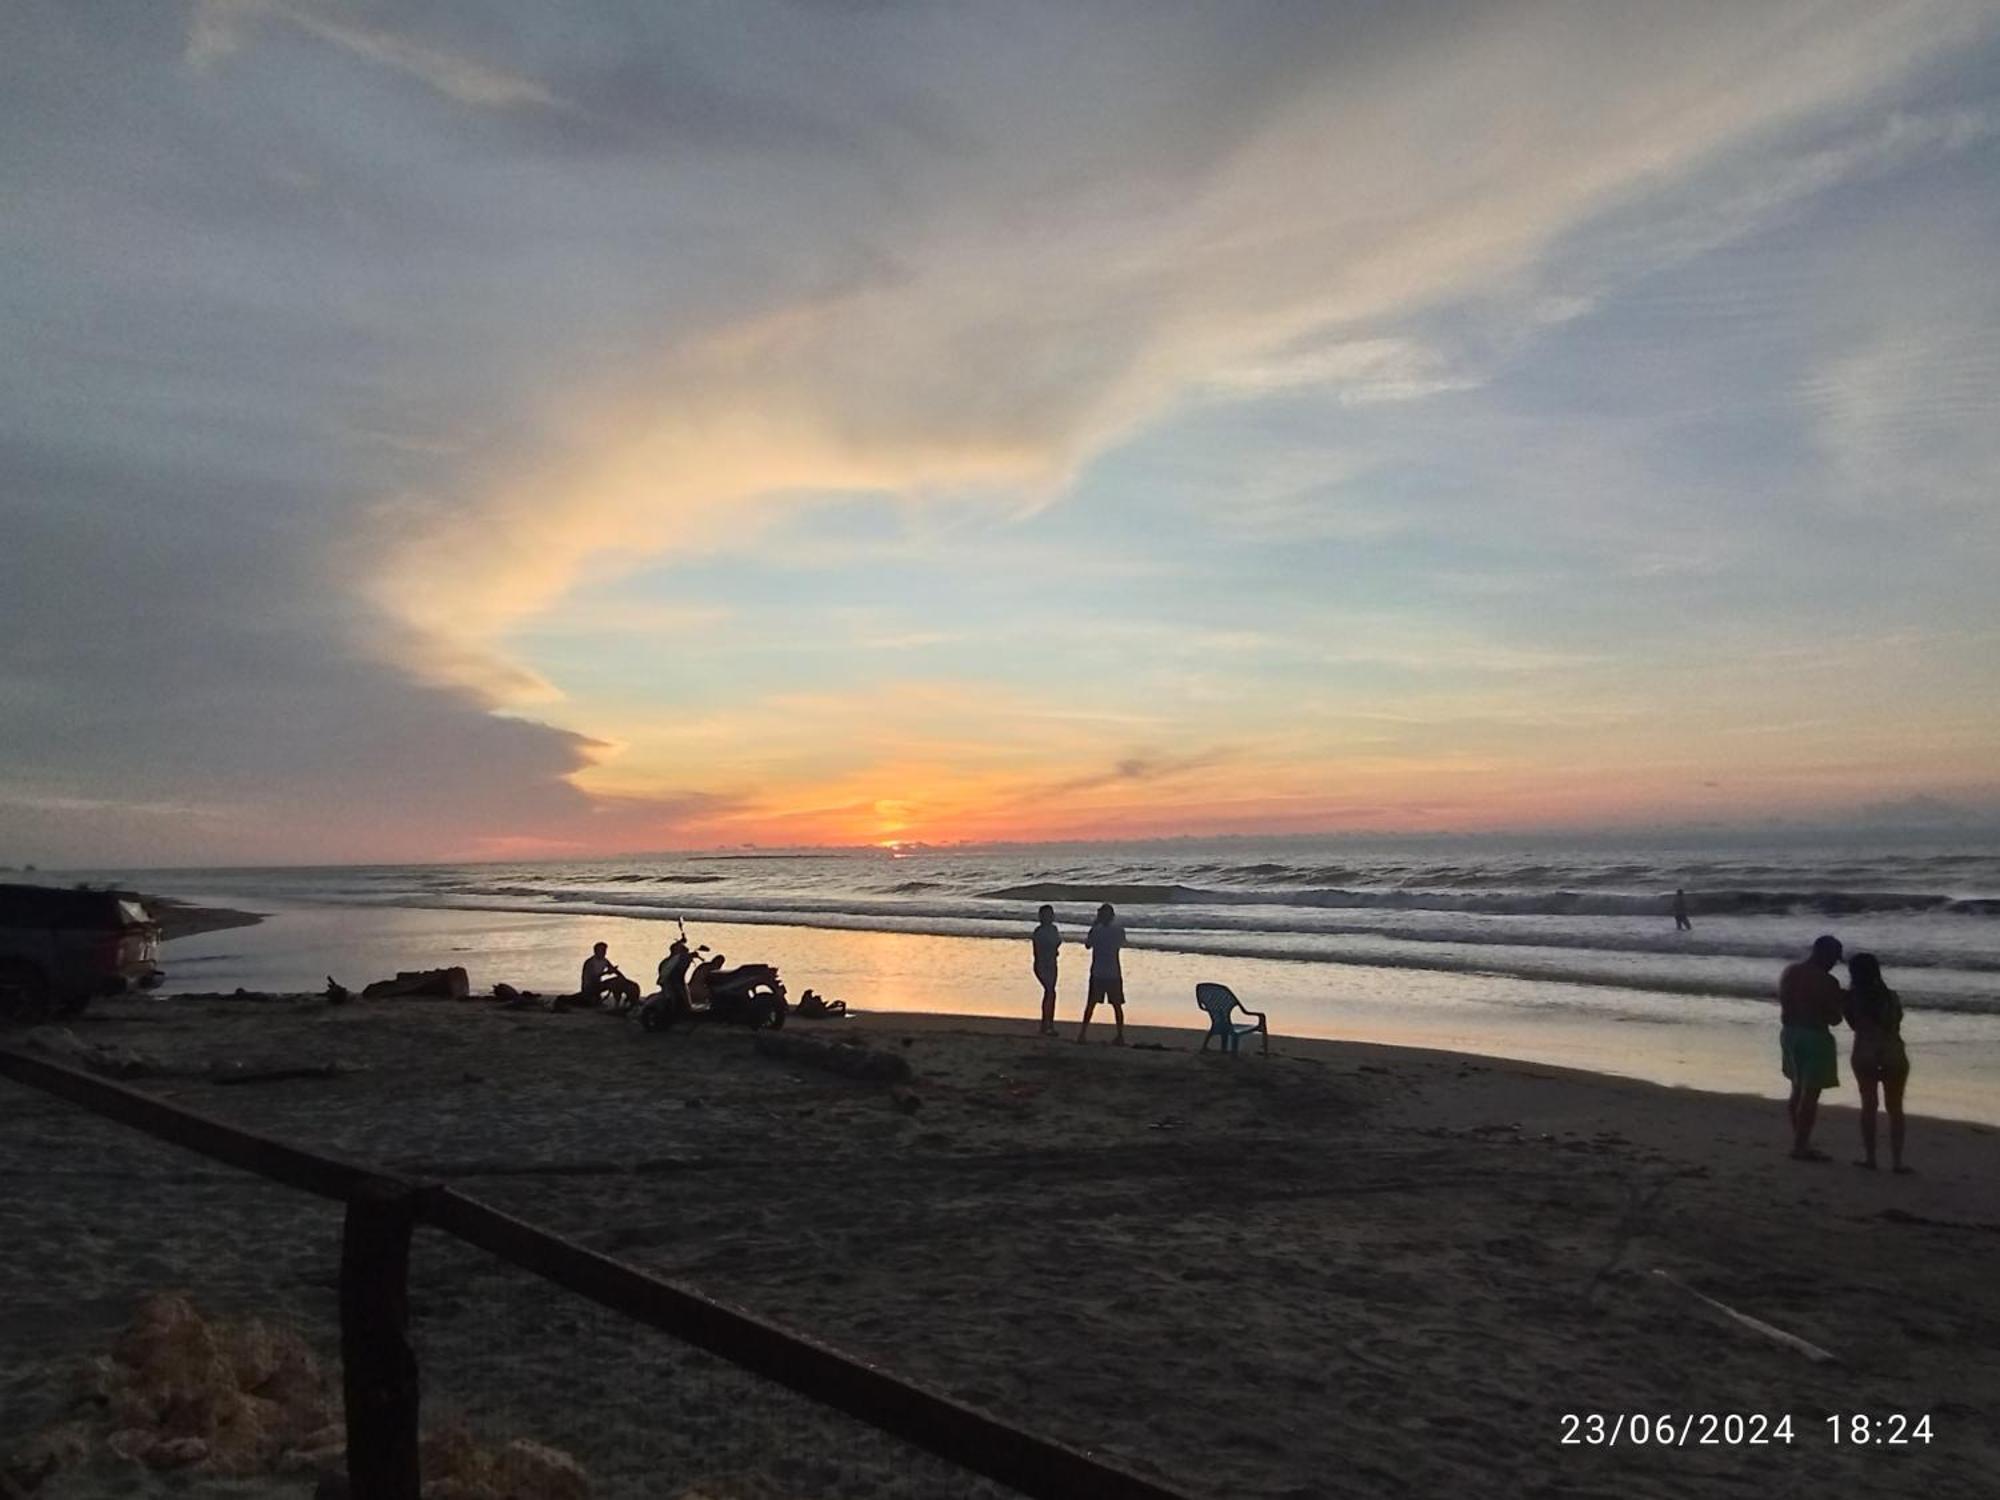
[428, 984]
[1770, 1331]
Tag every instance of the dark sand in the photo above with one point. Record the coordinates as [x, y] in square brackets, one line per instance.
[1337, 1270]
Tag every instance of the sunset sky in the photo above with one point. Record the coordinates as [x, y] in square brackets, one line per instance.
[448, 430]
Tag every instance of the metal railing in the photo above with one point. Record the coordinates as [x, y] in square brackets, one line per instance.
[379, 1369]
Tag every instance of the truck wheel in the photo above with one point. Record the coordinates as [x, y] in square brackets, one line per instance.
[24, 994]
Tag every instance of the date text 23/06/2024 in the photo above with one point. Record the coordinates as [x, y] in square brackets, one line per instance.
[1737, 1429]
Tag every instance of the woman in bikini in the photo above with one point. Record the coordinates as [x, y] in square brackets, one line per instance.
[1879, 1061]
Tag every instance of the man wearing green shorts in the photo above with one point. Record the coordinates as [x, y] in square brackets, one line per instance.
[1809, 1007]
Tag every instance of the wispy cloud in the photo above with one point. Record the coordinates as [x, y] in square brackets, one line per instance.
[219, 29]
[1358, 371]
[999, 355]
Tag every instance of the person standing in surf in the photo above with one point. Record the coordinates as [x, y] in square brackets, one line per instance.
[1681, 922]
[1107, 976]
[1048, 939]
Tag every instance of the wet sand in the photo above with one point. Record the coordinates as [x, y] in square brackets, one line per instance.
[182, 919]
[1339, 1269]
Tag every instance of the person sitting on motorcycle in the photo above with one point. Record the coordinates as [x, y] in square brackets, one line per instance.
[602, 981]
[698, 980]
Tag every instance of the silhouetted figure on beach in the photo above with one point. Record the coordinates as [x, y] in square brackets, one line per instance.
[815, 1007]
[1681, 922]
[1047, 940]
[1875, 1015]
[1810, 1005]
[601, 981]
[1107, 975]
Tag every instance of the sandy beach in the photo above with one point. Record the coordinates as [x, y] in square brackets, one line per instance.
[1339, 1269]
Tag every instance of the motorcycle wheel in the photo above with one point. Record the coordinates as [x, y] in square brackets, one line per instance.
[651, 1018]
[770, 1014]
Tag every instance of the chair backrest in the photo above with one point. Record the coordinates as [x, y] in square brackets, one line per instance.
[1217, 999]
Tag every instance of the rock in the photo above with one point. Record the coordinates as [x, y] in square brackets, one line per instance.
[44, 1455]
[275, 1363]
[177, 1453]
[532, 1471]
[174, 1370]
[315, 1457]
[226, 1399]
[133, 1443]
[505, 992]
[429, 984]
[336, 992]
[448, 1452]
[455, 1467]
[460, 1489]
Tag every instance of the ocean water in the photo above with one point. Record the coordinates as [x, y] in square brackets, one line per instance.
[1562, 951]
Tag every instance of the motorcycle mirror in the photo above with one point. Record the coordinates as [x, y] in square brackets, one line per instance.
[702, 948]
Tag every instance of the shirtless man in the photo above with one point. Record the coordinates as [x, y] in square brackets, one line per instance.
[1809, 1007]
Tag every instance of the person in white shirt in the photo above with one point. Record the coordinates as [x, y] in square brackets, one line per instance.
[1048, 938]
[1107, 978]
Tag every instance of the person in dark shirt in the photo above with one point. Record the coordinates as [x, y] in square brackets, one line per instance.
[602, 981]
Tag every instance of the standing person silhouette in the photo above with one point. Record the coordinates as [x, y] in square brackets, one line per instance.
[1681, 922]
[1810, 1002]
[1107, 976]
[1878, 1059]
[1048, 939]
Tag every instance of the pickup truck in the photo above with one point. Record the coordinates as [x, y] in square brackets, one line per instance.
[61, 948]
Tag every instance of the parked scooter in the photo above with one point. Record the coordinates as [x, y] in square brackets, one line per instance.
[695, 989]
